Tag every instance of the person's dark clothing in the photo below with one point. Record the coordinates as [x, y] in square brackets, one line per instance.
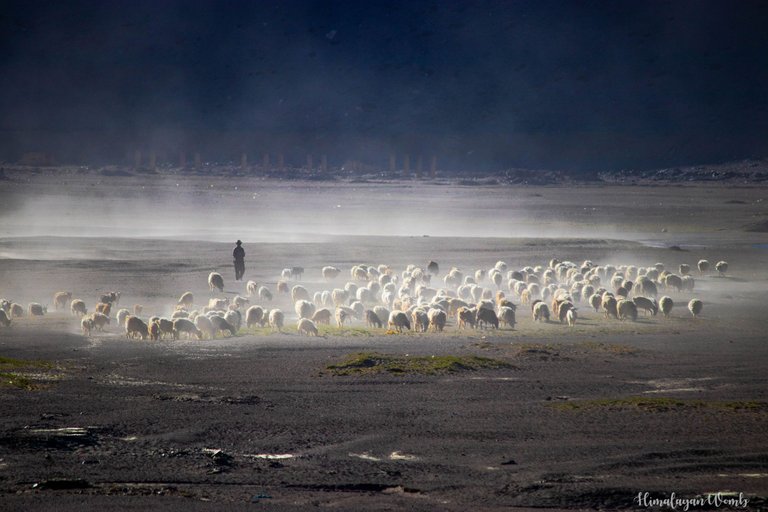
[239, 255]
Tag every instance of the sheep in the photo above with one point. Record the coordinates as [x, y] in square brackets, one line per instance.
[276, 318]
[154, 331]
[5, 305]
[596, 301]
[86, 324]
[684, 269]
[137, 309]
[186, 300]
[695, 306]
[306, 327]
[487, 316]
[35, 309]
[240, 302]
[16, 310]
[322, 316]
[285, 274]
[99, 320]
[121, 316]
[609, 306]
[135, 326]
[420, 320]
[264, 293]
[215, 281]
[507, 316]
[222, 324]
[204, 324]
[563, 309]
[688, 283]
[60, 299]
[381, 312]
[465, 316]
[398, 320]
[343, 314]
[166, 326]
[703, 266]
[304, 309]
[77, 307]
[110, 298]
[371, 319]
[626, 308]
[437, 319]
[180, 314]
[330, 273]
[571, 316]
[541, 312]
[665, 304]
[4, 320]
[182, 325]
[235, 319]
[645, 286]
[721, 267]
[253, 316]
[297, 272]
[673, 281]
[646, 304]
[104, 308]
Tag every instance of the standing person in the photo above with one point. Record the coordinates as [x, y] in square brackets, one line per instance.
[239, 255]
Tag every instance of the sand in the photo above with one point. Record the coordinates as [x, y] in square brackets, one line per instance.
[582, 418]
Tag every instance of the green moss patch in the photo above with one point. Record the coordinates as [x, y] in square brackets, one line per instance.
[12, 372]
[375, 363]
[662, 404]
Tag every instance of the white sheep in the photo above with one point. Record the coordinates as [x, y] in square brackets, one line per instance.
[703, 266]
[218, 303]
[304, 308]
[306, 327]
[186, 300]
[420, 320]
[330, 273]
[264, 293]
[215, 281]
[721, 267]
[99, 320]
[665, 304]
[121, 316]
[251, 288]
[276, 319]
[540, 312]
[644, 303]
[695, 306]
[322, 316]
[86, 324]
[204, 324]
[235, 319]
[16, 310]
[182, 325]
[437, 319]
[571, 316]
[372, 319]
[507, 316]
[298, 292]
[343, 314]
[240, 302]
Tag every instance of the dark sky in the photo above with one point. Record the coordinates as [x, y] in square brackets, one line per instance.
[484, 84]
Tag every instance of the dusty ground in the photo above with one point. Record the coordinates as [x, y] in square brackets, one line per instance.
[584, 418]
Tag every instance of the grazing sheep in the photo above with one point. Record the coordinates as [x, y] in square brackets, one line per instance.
[596, 301]
[35, 309]
[306, 327]
[371, 319]
[304, 308]
[240, 302]
[264, 293]
[298, 293]
[703, 266]
[688, 283]
[60, 299]
[684, 269]
[186, 300]
[465, 316]
[695, 306]
[166, 326]
[285, 274]
[541, 312]
[330, 273]
[609, 306]
[4, 320]
[673, 281]
[343, 314]
[507, 316]
[77, 307]
[282, 287]
[322, 316]
[626, 309]
[645, 286]
[235, 319]
[382, 313]
[665, 304]
[398, 320]
[221, 324]
[86, 324]
[5, 305]
[251, 288]
[181, 314]
[420, 320]
[646, 304]
[220, 304]
[204, 324]
[563, 309]
[276, 319]
[571, 316]
[16, 310]
[487, 317]
[137, 309]
[135, 326]
[253, 316]
[104, 308]
[437, 319]
[182, 325]
[721, 267]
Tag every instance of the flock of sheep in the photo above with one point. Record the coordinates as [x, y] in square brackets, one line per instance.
[414, 299]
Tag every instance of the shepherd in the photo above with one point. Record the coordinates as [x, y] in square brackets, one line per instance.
[239, 255]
